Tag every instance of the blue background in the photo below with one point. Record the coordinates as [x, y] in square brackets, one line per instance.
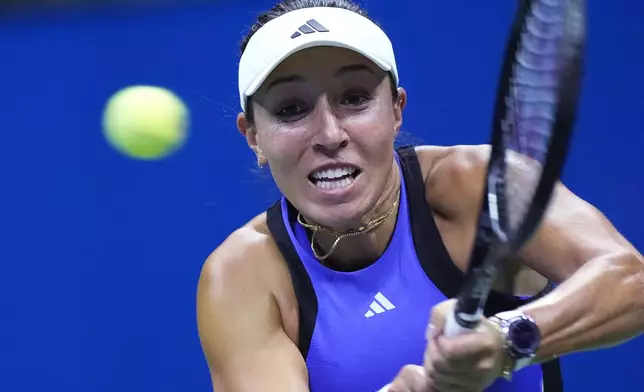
[100, 254]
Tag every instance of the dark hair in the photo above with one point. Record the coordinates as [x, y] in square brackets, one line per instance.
[287, 6]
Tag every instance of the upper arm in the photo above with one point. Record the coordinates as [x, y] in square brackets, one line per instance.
[240, 327]
[571, 232]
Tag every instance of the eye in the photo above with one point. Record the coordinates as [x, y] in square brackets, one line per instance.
[291, 110]
[355, 99]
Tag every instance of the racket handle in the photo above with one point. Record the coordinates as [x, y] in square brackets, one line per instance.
[385, 388]
[453, 328]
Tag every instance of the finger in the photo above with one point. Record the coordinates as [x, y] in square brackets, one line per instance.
[454, 382]
[432, 332]
[439, 314]
[463, 350]
[436, 323]
[411, 378]
[449, 386]
[440, 356]
[447, 380]
[439, 362]
[445, 377]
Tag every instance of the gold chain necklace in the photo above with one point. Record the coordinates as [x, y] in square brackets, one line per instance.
[367, 227]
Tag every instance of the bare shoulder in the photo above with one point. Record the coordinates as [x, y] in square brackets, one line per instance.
[242, 257]
[247, 315]
[453, 177]
[248, 270]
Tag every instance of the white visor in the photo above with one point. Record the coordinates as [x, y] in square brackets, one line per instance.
[307, 28]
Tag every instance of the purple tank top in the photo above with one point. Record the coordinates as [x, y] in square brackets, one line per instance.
[371, 322]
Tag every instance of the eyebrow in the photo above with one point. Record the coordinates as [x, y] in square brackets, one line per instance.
[353, 68]
[285, 79]
[341, 71]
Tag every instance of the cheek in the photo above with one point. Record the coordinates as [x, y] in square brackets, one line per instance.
[283, 149]
[285, 145]
[373, 130]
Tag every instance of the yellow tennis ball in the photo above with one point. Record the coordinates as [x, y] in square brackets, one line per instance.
[145, 122]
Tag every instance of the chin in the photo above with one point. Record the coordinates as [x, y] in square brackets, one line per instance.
[340, 218]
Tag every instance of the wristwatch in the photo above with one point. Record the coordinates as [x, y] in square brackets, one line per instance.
[522, 339]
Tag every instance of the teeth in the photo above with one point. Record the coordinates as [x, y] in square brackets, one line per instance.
[334, 184]
[333, 178]
[333, 173]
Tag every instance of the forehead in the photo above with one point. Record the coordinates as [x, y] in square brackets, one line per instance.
[320, 61]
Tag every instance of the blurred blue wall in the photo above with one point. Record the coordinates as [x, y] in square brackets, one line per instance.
[100, 254]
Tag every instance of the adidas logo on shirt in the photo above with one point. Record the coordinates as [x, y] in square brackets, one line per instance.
[309, 27]
[379, 305]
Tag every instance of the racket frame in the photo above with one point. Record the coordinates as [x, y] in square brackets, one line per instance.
[494, 243]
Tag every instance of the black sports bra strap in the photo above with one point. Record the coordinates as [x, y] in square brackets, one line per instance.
[307, 300]
[430, 249]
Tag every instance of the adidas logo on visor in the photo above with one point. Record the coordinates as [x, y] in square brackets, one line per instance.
[309, 27]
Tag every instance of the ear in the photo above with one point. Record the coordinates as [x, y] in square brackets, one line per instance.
[249, 132]
[399, 106]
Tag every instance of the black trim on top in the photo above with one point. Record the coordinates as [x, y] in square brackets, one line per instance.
[307, 300]
[438, 265]
[552, 376]
[431, 252]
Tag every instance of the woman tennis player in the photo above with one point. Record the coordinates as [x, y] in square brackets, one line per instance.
[332, 288]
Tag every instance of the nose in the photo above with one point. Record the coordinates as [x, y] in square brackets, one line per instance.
[331, 135]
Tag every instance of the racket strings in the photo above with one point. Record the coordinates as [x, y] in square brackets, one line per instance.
[533, 121]
[531, 103]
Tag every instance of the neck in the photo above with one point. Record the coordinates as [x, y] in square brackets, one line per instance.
[359, 251]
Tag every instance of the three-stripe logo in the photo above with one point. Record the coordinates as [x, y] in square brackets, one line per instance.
[309, 27]
[379, 305]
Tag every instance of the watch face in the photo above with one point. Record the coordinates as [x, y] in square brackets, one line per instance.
[524, 336]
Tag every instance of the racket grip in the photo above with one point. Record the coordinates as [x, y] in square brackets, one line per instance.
[385, 388]
[452, 327]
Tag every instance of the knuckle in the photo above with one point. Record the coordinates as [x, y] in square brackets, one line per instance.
[433, 374]
[489, 345]
[396, 387]
[409, 375]
[449, 354]
[401, 373]
[486, 366]
[436, 366]
[408, 371]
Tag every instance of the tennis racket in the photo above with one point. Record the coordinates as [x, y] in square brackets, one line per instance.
[532, 127]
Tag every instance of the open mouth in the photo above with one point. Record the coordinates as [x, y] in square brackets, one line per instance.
[336, 178]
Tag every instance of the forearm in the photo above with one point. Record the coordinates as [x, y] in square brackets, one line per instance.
[601, 305]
